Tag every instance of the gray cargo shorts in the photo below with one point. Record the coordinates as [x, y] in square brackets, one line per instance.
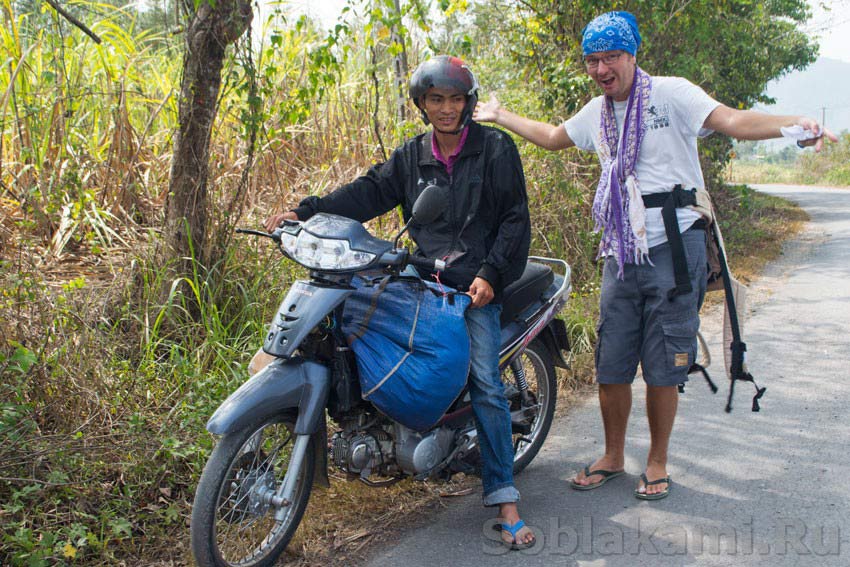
[638, 323]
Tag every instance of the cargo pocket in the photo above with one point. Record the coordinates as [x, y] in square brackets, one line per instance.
[680, 342]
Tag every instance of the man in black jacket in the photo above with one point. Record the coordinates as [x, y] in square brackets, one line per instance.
[484, 235]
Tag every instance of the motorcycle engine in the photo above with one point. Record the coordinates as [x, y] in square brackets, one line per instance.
[417, 453]
[361, 452]
[374, 450]
[367, 446]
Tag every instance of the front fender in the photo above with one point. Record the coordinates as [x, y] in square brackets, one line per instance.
[282, 385]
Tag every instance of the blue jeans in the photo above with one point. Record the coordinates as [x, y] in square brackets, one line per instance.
[492, 415]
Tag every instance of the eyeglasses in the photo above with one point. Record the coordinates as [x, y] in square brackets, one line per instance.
[609, 59]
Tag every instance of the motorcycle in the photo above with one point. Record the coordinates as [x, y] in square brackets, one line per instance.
[273, 430]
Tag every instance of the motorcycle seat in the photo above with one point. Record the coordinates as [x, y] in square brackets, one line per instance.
[526, 290]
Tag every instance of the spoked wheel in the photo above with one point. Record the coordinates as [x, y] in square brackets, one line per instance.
[532, 416]
[233, 520]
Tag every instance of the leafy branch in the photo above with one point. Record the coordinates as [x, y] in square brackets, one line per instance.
[68, 16]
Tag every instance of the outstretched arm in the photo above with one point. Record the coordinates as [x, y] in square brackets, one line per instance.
[752, 125]
[538, 133]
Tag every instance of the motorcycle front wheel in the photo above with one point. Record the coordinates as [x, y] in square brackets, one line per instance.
[539, 372]
[233, 523]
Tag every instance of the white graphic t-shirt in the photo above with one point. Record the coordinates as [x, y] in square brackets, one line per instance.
[668, 154]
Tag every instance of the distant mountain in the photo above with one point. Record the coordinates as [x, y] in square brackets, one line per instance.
[824, 84]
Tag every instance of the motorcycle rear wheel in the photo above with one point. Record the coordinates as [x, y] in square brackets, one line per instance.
[543, 385]
[231, 523]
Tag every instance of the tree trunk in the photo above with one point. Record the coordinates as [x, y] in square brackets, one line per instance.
[211, 30]
[400, 68]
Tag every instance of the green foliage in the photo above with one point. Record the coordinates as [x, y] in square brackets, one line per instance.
[731, 48]
[298, 64]
[73, 122]
[121, 462]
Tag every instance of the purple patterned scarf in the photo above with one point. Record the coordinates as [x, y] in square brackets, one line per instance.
[618, 207]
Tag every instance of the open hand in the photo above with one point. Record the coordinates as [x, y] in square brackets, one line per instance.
[275, 221]
[487, 111]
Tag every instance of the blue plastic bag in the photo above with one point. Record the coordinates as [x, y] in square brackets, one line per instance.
[412, 347]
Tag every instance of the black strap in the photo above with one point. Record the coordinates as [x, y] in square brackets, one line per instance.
[738, 347]
[382, 285]
[364, 324]
[700, 368]
[669, 202]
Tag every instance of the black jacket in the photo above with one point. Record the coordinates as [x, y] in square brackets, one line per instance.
[485, 230]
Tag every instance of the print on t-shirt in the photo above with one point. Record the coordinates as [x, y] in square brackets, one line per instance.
[659, 117]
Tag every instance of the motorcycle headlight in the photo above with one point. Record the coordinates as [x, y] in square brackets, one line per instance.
[323, 253]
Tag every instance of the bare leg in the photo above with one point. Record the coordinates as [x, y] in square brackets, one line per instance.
[615, 402]
[661, 405]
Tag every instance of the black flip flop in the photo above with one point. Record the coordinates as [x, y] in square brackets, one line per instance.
[658, 495]
[606, 476]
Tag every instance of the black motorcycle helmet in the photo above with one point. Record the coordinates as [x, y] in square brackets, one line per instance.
[445, 72]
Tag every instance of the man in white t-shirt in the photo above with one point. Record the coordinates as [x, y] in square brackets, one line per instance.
[645, 131]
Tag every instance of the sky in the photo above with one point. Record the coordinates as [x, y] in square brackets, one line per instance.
[831, 26]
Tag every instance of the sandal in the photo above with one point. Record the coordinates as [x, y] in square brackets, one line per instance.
[606, 476]
[656, 496]
[514, 530]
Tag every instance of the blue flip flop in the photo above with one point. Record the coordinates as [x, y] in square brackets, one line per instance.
[514, 530]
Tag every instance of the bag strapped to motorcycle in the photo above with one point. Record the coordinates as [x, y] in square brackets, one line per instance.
[381, 285]
[719, 277]
[411, 346]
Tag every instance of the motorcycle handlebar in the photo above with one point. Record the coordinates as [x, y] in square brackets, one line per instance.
[273, 235]
[428, 264]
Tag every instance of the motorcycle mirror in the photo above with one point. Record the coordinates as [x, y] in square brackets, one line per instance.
[429, 205]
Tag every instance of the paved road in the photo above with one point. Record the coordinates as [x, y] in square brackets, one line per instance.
[769, 488]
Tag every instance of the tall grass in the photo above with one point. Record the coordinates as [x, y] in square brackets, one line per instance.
[105, 397]
[106, 387]
[82, 126]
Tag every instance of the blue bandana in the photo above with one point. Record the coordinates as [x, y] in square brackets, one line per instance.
[610, 31]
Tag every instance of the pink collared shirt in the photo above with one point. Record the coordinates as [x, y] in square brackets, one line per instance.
[450, 161]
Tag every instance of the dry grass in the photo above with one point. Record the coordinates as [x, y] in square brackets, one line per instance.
[755, 226]
[829, 167]
[343, 523]
[756, 172]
